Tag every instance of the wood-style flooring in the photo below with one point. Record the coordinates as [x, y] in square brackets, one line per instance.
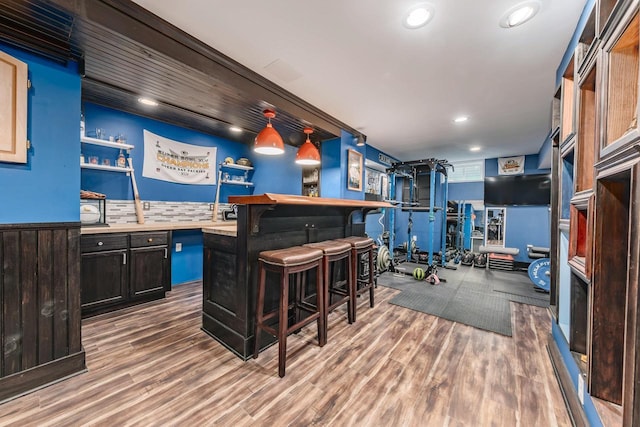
[151, 365]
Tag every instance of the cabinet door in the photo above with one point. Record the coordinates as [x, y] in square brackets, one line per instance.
[148, 271]
[103, 279]
[13, 109]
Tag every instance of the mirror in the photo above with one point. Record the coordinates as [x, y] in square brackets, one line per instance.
[494, 226]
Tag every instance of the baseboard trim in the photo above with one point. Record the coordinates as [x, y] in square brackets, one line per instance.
[41, 376]
[571, 400]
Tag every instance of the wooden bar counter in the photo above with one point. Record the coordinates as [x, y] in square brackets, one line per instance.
[267, 221]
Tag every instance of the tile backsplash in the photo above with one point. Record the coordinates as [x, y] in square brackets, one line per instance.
[123, 211]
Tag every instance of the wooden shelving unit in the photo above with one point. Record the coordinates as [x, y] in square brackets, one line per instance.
[568, 100]
[586, 136]
[598, 173]
[622, 87]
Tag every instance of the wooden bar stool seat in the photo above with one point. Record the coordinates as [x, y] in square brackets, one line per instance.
[334, 294]
[361, 246]
[288, 261]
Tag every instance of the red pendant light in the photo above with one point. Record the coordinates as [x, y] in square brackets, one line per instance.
[269, 141]
[308, 154]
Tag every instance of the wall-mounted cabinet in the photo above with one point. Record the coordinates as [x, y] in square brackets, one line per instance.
[568, 98]
[611, 243]
[622, 82]
[566, 184]
[587, 41]
[598, 177]
[605, 12]
[587, 128]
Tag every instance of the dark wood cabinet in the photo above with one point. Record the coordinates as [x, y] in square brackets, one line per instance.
[123, 269]
[104, 278]
[148, 271]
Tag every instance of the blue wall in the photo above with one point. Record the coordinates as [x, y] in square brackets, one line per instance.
[333, 176]
[466, 191]
[46, 189]
[118, 186]
[186, 266]
[275, 174]
[526, 225]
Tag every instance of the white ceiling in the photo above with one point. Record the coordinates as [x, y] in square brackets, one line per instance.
[356, 61]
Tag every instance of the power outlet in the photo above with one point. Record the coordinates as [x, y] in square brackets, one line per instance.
[210, 206]
[178, 247]
[146, 206]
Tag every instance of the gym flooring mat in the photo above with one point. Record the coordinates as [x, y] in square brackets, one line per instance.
[476, 297]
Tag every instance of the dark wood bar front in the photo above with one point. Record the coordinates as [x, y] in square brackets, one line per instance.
[268, 221]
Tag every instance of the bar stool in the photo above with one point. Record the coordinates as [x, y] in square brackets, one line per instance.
[333, 251]
[360, 246]
[288, 261]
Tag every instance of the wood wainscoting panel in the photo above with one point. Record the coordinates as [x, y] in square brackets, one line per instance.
[40, 305]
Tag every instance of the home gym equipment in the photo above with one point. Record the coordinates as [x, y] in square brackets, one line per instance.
[540, 269]
[540, 273]
[410, 171]
[480, 260]
[500, 258]
[419, 274]
[467, 258]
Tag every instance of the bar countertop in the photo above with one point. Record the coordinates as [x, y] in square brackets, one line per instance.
[289, 199]
[207, 226]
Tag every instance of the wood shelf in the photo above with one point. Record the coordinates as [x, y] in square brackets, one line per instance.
[587, 131]
[104, 167]
[104, 143]
[237, 167]
[622, 89]
[568, 95]
[244, 183]
[605, 11]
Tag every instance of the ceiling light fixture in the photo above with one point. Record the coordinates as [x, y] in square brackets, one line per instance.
[418, 16]
[519, 14]
[361, 141]
[269, 141]
[148, 101]
[308, 153]
[235, 129]
[475, 148]
[461, 119]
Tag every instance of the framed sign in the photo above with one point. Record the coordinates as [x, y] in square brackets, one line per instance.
[354, 170]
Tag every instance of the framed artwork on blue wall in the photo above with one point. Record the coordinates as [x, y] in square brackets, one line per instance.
[354, 170]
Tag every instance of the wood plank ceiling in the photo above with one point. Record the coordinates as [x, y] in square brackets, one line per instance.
[125, 52]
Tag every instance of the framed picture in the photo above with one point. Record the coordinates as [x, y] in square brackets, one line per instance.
[354, 170]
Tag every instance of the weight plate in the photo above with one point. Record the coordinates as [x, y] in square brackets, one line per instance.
[540, 273]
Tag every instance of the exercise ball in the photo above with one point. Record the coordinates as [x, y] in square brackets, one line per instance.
[418, 274]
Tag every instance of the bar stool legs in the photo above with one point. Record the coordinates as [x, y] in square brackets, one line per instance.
[285, 262]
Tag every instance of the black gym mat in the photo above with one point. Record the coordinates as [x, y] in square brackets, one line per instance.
[472, 296]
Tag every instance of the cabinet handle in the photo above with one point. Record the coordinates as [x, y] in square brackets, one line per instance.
[100, 243]
[149, 240]
[124, 258]
[165, 253]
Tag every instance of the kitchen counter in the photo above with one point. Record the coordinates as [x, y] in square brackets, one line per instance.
[156, 226]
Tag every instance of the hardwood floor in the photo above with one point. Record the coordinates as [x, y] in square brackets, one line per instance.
[152, 365]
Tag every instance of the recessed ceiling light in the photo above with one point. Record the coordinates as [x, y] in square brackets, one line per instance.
[475, 148]
[235, 129]
[461, 119]
[418, 16]
[148, 101]
[519, 14]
